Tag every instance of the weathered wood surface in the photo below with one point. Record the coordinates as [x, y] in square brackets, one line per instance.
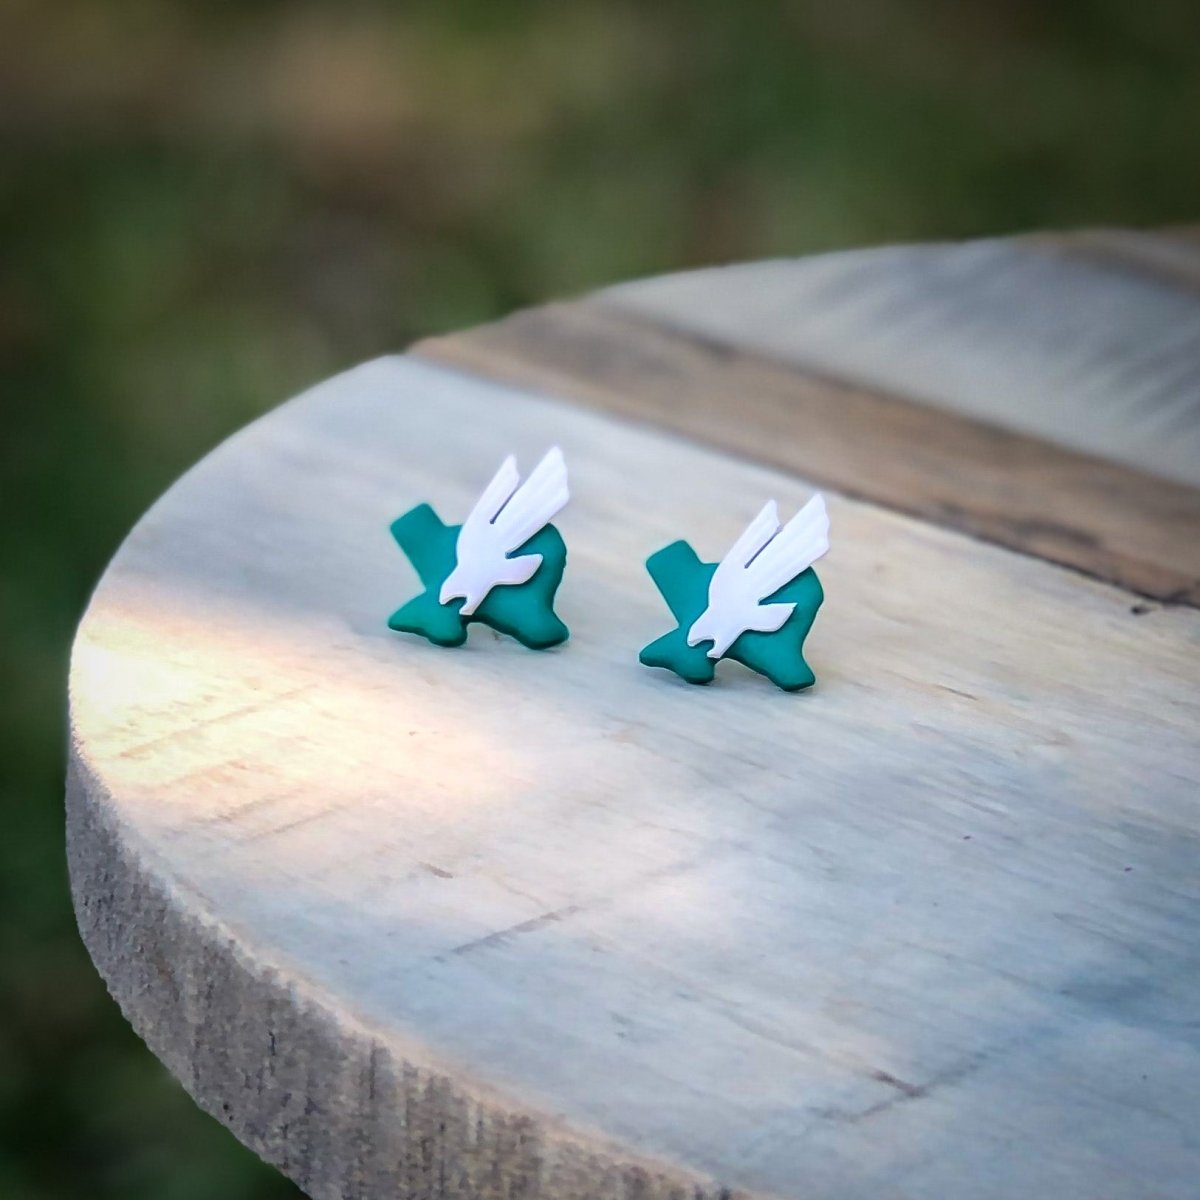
[492, 924]
[842, 369]
[1088, 340]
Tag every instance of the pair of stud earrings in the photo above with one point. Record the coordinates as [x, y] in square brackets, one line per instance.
[503, 564]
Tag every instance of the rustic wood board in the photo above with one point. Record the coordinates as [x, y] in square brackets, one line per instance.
[492, 924]
[1092, 514]
[1091, 340]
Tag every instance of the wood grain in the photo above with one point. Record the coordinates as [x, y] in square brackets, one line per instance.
[1089, 341]
[488, 924]
[1169, 259]
[1099, 517]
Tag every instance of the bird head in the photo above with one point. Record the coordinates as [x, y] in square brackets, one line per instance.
[702, 630]
[455, 587]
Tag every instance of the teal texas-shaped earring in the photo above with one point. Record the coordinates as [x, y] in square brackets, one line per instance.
[501, 566]
[756, 605]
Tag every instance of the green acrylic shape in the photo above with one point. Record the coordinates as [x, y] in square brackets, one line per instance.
[683, 581]
[524, 611]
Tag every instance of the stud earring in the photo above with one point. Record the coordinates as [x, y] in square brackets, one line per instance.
[756, 605]
[501, 566]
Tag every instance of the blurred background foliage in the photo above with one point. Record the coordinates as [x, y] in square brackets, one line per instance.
[205, 206]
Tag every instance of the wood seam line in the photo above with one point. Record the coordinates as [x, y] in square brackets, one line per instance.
[1151, 256]
[1107, 521]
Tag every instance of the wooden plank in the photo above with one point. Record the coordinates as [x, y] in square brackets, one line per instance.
[1070, 348]
[1169, 258]
[485, 923]
[1098, 517]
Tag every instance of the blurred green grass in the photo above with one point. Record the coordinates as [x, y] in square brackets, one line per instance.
[206, 206]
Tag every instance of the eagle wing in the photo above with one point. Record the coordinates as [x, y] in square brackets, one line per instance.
[534, 504]
[791, 551]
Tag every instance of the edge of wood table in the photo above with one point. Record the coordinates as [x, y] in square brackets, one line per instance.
[1020, 904]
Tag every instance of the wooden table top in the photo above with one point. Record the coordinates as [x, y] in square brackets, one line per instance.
[499, 925]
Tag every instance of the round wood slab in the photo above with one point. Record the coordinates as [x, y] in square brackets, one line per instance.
[502, 925]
